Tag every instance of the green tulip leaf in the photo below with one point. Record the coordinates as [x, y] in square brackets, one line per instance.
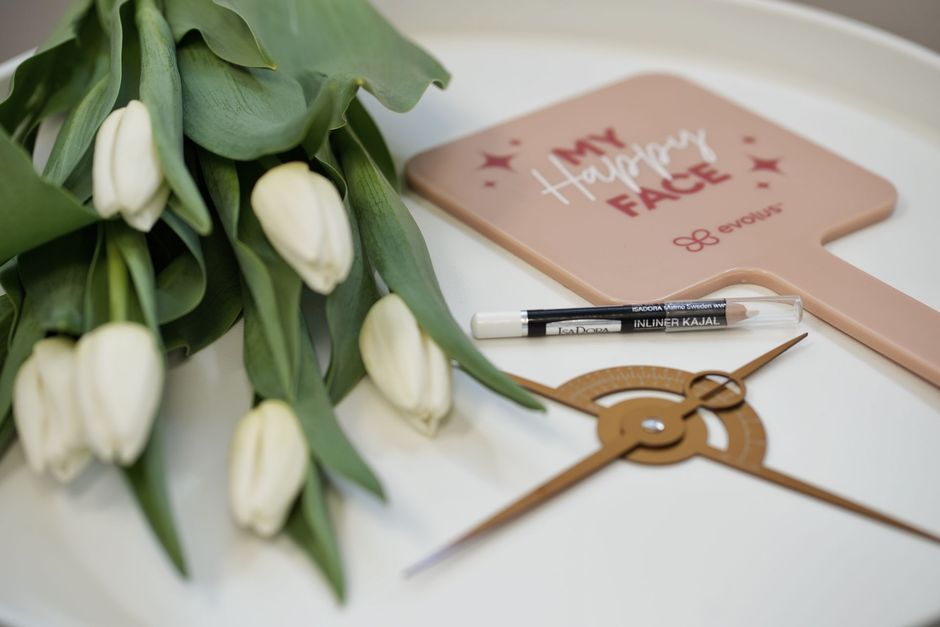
[267, 370]
[103, 8]
[132, 248]
[369, 135]
[160, 91]
[181, 283]
[97, 308]
[7, 319]
[66, 28]
[346, 40]
[223, 29]
[346, 308]
[54, 275]
[324, 161]
[148, 482]
[272, 289]
[78, 132]
[14, 292]
[75, 137]
[87, 65]
[32, 211]
[40, 77]
[79, 183]
[310, 527]
[26, 334]
[221, 303]
[11, 303]
[279, 355]
[275, 111]
[7, 434]
[7, 316]
[22, 333]
[324, 435]
[393, 243]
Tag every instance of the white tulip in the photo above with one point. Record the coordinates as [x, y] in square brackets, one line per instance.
[407, 366]
[267, 467]
[118, 384]
[47, 420]
[303, 217]
[126, 173]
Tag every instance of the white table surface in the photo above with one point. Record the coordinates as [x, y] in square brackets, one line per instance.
[689, 544]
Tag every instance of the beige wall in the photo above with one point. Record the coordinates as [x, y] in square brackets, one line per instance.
[23, 23]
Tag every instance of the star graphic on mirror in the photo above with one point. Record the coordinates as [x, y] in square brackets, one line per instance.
[497, 161]
[771, 165]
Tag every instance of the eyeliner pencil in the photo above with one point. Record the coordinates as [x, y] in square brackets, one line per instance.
[677, 315]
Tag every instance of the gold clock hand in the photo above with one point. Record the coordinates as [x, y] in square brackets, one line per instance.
[594, 409]
[587, 407]
[792, 483]
[631, 430]
[750, 367]
[708, 393]
[554, 486]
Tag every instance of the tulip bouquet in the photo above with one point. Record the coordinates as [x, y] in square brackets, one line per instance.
[197, 162]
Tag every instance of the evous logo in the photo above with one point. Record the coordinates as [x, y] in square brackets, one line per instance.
[699, 239]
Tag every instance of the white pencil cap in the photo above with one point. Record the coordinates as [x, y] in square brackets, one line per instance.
[495, 324]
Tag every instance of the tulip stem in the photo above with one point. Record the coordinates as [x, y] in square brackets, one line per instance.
[117, 281]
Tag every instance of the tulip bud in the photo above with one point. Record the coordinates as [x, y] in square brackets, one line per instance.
[126, 173]
[119, 380]
[47, 420]
[303, 217]
[407, 366]
[267, 467]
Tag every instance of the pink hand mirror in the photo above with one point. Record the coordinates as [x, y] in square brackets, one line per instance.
[654, 188]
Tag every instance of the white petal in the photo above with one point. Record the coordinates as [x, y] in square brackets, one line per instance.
[147, 216]
[67, 450]
[29, 412]
[320, 275]
[438, 395]
[136, 166]
[98, 433]
[286, 206]
[304, 218]
[130, 371]
[120, 380]
[391, 346]
[338, 235]
[284, 467]
[267, 468]
[102, 177]
[244, 459]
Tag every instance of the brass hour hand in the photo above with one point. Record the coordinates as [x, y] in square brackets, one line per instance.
[701, 387]
[802, 487]
[573, 475]
[627, 432]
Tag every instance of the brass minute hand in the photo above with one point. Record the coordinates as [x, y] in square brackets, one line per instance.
[573, 475]
[802, 487]
[632, 431]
